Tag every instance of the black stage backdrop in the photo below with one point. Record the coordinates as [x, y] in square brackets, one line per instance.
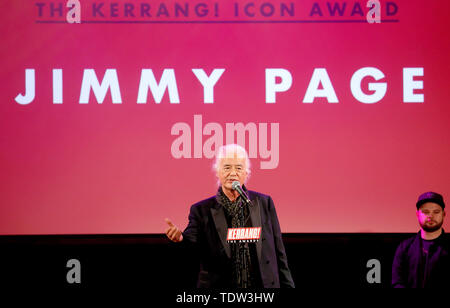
[320, 260]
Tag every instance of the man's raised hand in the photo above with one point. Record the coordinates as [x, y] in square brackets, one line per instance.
[173, 233]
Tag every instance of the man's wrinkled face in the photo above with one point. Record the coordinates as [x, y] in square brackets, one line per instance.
[231, 168]
[430, 216]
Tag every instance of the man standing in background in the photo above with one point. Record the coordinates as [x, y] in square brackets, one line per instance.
[423, 261]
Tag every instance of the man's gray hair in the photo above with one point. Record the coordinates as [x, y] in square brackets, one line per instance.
[228, 149]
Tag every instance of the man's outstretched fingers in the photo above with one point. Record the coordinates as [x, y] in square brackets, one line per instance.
[171, 232]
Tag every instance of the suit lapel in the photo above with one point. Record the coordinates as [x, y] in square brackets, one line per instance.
[221, 227]
[255, 216]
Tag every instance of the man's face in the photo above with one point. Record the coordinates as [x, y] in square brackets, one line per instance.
[231, 168]
[430, 216]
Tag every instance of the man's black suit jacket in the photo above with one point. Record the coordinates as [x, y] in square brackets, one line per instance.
[409, 267]
[207, 232]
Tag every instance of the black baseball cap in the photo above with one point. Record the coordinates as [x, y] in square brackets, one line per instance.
[430, 197]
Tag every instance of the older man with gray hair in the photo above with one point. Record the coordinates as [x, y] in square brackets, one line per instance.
[236, 232]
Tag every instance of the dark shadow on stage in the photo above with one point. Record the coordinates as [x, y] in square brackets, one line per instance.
[328, 260]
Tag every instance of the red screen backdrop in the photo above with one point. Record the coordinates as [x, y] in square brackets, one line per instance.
[110, 125]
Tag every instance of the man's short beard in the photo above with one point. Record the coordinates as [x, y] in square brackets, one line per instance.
[436, 227]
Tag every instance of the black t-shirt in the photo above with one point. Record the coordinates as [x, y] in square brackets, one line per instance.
[426, 245]
[255, 274]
